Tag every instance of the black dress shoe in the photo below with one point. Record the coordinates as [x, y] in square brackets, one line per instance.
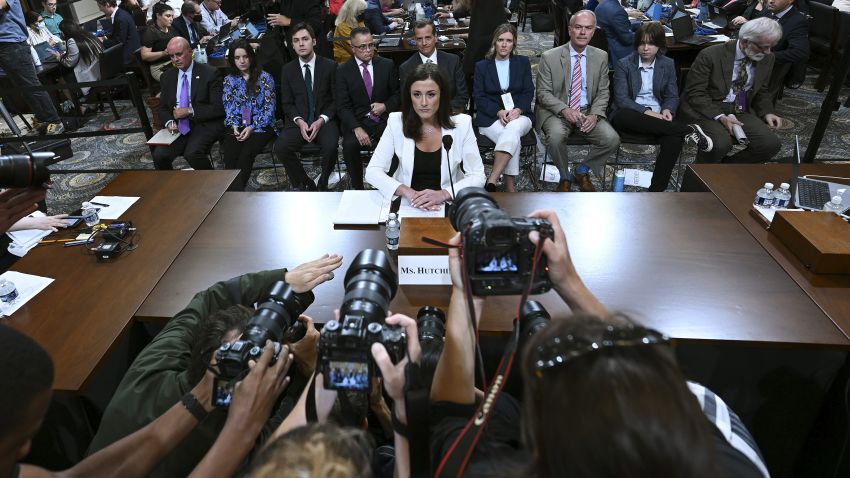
[490, 187]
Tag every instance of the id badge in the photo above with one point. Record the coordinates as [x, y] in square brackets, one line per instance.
[508, 101]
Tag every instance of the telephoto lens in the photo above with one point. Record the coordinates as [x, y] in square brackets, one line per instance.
[533, 319]
[24, 171]
[431, 323]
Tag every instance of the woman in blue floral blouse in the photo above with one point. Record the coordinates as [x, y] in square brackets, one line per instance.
[249, 103]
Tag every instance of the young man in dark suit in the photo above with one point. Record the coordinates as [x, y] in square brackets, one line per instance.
[792, 51]
[188, 24]
[190, 105]
[309, 112]
[426, 43]
[366, 93]
[123, 29]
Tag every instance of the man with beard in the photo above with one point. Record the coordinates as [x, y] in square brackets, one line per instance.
[728, 86]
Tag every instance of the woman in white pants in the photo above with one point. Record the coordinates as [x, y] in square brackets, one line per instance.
[503, 90]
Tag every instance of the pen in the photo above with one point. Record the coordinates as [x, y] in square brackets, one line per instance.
[77, 243]
[51, 241]
[98, 204]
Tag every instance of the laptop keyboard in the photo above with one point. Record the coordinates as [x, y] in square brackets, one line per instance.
[812, 194]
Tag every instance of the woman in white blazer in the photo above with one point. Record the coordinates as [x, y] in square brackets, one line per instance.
[415, 135]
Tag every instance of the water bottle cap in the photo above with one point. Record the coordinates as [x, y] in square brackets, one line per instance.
[392, 215]
[86, 204]
[784, 185]
[836, 199]
[768, 185]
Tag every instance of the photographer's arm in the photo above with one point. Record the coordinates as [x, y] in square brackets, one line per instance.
[562, 272]
[298, 417]
[454, 378]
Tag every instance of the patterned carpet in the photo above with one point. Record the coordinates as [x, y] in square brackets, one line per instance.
[799, 108]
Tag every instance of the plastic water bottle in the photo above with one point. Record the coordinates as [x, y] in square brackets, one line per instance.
[764, 196]
[90, 215]
[782, 196]
[831, 206]
[8, 291]
[619, 180]
[393, 229]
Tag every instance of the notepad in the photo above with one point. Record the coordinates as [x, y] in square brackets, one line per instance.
[361, 208]
[406, 210]
[163, 138]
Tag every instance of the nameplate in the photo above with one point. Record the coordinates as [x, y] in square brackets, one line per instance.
[424, 270]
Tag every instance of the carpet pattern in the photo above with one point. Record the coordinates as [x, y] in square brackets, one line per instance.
[799, 108]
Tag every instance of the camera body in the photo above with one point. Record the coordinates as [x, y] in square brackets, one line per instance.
[345, 351]
[498, 254]
[276, 319]
[345, 357]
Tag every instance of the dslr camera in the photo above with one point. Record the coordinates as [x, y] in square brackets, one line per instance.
[345, 358]
[24, 170]
[276, 319]
[498, 255]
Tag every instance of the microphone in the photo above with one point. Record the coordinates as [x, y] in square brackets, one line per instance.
[447, 143]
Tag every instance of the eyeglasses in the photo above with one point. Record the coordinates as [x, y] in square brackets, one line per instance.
[558, 350]
[365, 46]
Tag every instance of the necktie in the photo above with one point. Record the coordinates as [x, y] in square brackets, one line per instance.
[311, 101]
[193, 37]
[183, 124]
[740, 84]
[575, 85]
[367, 79]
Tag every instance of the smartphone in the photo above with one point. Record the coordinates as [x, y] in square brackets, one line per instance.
[73, 221]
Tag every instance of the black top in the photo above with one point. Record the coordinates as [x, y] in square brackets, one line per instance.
[426, 170]
[156, 39]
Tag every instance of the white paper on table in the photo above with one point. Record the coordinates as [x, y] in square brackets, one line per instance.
[360, 207]
[406, 210]
[719, 38]
[638, 177]
[712, 25]
[118, 205]
[28, 287]
[692, 11]
[24, 240]
[768, 213]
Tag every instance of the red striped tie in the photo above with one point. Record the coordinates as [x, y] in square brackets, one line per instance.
[575, 86]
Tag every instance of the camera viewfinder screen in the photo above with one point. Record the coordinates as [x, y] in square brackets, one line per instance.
[222, 393]
[348, 375]
[496, 262]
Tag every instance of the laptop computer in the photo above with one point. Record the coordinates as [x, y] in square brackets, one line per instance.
[683, 31]
[812, 194]
[45, 52]
[655, 12]
[716, 17]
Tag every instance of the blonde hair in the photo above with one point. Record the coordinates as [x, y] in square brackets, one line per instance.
[316, 451]
[500, 30]
[349, 11]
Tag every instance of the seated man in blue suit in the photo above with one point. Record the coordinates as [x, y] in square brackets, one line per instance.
[614, 20]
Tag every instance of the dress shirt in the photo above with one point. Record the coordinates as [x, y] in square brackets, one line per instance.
[262, 103]
[842, 5]
[212, 21]
[180, 85]
[312, 64]
[503, 69]
[433, 57]
[41, 36]
[783, 12]
[569, 79]
[645, 96]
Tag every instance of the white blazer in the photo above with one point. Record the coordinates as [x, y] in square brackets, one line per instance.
[464, 149]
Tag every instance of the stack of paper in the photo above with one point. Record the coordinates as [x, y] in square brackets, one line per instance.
[112, 207]
[361, 208]
[23, 241]
[28, 287]
[406, 210]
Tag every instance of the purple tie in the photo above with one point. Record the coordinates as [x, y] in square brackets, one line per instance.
[367, 81]
[183, 124]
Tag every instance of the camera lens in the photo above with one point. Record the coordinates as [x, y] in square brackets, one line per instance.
[278, 314]
[431, 322]
[23, 171]
[370, 285]
[533, 318]
[470, 203]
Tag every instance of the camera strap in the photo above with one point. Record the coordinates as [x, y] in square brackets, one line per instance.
[417, 399]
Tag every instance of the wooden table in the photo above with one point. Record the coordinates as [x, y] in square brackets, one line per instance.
[679, 262]
[735, 185]
[84, 312]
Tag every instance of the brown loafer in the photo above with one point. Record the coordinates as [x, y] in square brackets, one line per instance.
[563, 186]
[584, 183]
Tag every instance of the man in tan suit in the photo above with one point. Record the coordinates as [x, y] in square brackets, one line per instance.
[572, 96]
[728, 86]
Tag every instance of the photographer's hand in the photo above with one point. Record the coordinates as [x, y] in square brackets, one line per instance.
[305, 350]
[310, 274]
[562, 272]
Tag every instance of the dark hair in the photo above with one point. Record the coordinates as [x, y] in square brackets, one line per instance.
[107, 3]
[88, 44]
[188, 8]
[359, 31]
[159, 8]
[432, 350]
[422, 23]
[412, 124]
[253, 71]
[625, 410]
[27, 371]
[316, 450]
[654, 31]
[31, 17]
[210, 332]
[303, 26]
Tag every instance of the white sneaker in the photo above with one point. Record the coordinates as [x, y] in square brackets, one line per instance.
[698, 138]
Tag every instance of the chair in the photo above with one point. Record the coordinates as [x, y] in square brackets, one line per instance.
[530, 6]
[111, 62]
[145, 72]
[527, 152]
[823, 38]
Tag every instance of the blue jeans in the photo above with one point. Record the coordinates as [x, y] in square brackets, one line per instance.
[16, 60]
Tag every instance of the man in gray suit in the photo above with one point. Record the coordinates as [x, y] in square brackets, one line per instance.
[449, 64]
[727, 86]
[572, 96]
